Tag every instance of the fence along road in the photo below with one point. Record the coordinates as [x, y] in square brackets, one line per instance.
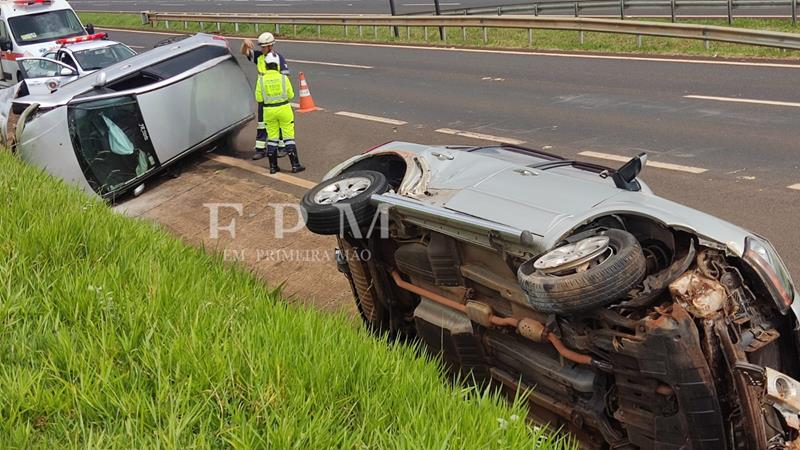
[580, 24]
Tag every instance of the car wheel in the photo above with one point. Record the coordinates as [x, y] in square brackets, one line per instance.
[583, 275]
[326, 205]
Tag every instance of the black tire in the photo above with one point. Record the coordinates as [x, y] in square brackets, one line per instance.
[324, 218]
[584, 291]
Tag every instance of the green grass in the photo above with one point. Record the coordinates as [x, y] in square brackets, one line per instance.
[496, 37]
[113, 333]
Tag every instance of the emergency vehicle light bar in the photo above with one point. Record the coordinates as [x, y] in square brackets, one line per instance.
[75, 40]
[31, 2]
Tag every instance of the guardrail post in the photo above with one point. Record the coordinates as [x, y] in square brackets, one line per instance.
[794, 12]
[426, 34]
[375, 31]
[346, 34]
[256, 27]
[145, 17]
[672, 9]
[464, 33]
[730, 12]
[639, 40]
[185, 24]
[580, 33]
[485, 36]
[277, 28]
[576, 9]
[294, 30]
[499, 10]
[530, 36]
[622, 9]
[236, 26]
[166, 24]
[408, 33]
[444, 35]
[201, 26]
[360, 32]
[707, 44]
[536, 9]
[219, 27]
[319, 31]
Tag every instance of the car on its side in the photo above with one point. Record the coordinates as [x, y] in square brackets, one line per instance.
[630, 320]
[111, 130]
[71, 59]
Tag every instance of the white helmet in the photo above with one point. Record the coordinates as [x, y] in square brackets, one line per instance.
[266, 38]
[272, 58]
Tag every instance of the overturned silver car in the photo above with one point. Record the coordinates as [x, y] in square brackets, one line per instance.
[111, 130]
[636, 322]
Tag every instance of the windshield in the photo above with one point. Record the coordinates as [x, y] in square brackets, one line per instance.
[46, 26]
[100, 58]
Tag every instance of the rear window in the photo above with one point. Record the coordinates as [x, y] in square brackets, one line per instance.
[46, 26]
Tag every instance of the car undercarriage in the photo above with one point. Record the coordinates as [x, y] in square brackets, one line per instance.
[628, 333]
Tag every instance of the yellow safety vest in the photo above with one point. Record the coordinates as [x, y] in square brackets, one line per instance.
[273, 87]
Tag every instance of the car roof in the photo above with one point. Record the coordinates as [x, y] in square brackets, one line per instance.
[122, 69]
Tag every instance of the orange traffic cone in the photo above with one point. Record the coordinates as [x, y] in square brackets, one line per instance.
[306, 102]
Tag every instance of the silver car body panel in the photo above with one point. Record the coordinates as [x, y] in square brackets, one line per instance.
[198, 107]
[547, 204]
[47, 144]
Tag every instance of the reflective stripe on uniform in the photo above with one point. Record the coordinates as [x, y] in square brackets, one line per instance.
[289, 142]
[261, 126]
[275, 98]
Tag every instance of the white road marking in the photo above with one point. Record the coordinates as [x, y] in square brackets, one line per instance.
[795, 186]
[485, 137]
[428, 4]
[659, 165]
[507, 52]
[372, 118]
[250, 167]
[354, 66]
[744, 100]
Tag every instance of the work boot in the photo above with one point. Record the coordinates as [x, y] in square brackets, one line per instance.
[259, 154]
[296, 166]
[273, 164]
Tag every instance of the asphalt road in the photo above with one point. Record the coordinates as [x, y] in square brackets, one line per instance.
[382, 7]
[731, 159]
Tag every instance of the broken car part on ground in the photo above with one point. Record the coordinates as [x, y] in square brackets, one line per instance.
[636, 322]
[111, 130]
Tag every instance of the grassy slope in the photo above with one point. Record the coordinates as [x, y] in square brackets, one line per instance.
[115, 334]
[497, 38]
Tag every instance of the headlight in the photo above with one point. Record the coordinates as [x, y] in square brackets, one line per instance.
[765, 260]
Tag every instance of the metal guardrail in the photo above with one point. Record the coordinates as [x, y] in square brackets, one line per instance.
[580, 24]
[619, 7]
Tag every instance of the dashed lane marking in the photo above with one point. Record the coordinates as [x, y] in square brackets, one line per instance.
[253, 168]
[322, 63]
[372, 118]
[481, 136]
[795, 186]
[744, 100]
[659, 165]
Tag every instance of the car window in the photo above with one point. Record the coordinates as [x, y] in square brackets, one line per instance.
[100, 58]
[40, 67]
[111, 142]
[66, 59]
[46, 26]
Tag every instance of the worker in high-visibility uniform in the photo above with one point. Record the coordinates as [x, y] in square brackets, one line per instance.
[266, 41]
[274, 90]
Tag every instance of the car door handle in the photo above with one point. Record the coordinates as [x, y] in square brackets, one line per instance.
[526, 172]
[443, 156]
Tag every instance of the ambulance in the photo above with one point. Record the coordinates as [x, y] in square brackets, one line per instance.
[30, 28]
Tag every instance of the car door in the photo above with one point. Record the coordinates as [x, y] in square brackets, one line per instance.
[44, 75]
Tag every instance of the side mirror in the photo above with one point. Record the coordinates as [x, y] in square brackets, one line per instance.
[5, 44]
[625, 176]
[66, 72]
[89, 28]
